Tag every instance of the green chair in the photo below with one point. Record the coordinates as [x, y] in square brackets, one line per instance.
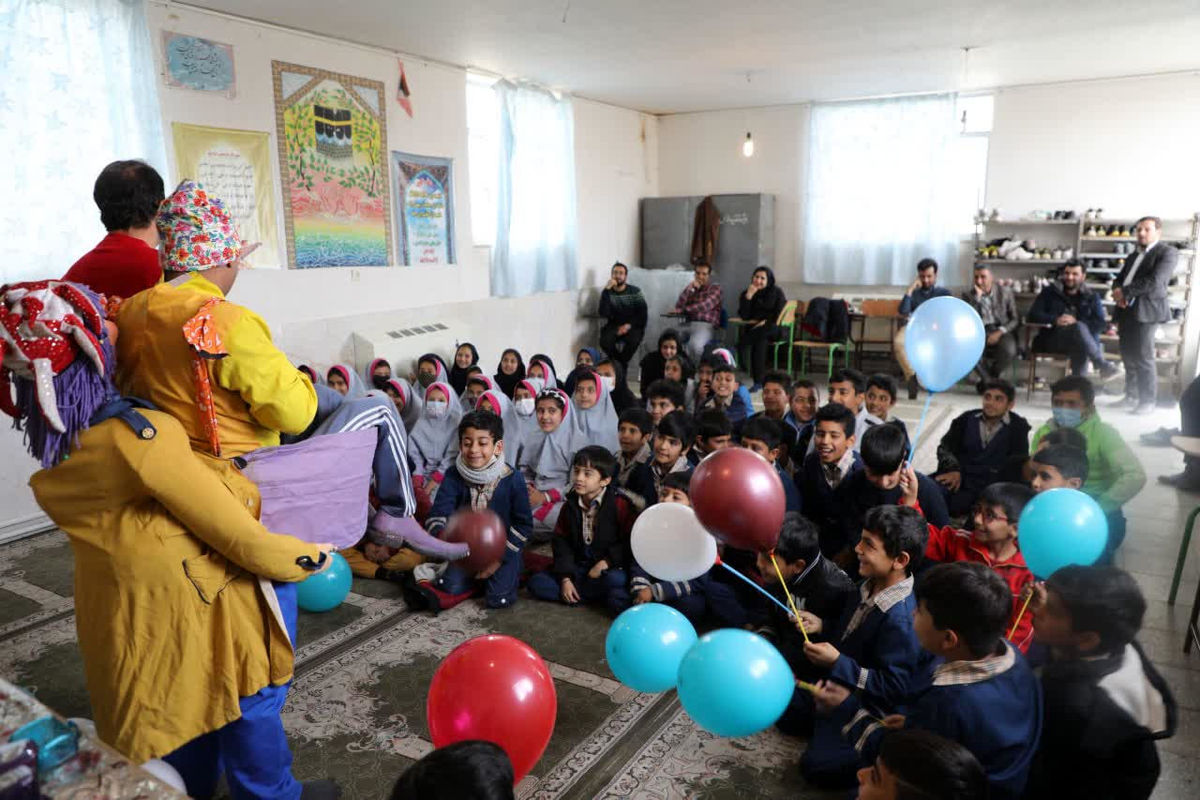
[787, 324]
[807, 345]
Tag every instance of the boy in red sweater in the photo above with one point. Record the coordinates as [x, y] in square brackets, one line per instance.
[993, 542]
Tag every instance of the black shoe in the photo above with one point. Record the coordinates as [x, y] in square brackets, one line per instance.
[913, 388]
[324, 789]
[1108, 371]
[1187, 481]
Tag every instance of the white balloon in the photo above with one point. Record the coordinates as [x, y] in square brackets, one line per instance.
[671, 544]
[165, 773]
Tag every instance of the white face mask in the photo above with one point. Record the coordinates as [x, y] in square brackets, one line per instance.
[538, 383]
[524, 406]
[609, 381]
[436, 408]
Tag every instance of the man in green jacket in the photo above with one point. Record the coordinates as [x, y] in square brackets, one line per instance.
[1115, 475]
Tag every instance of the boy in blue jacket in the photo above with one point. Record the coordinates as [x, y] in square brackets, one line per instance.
[872, 649]
[764, 436]
[974, 687]
[479, 479]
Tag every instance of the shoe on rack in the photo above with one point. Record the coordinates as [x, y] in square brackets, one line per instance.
[1159, 438]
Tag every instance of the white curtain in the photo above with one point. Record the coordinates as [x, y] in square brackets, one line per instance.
[79, 91]
[881, 190]
[535, 247]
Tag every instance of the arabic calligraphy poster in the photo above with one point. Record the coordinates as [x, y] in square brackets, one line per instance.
[332, 134]
[198, 64]
[236, 167]
[424, 204]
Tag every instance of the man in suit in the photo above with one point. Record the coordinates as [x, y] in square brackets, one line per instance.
[1140, 292]
[997, 307]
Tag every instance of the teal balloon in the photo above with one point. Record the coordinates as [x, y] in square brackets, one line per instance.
[645, 645]
[734, 683]
[1060, 527]
[944, 341]
[327, 589]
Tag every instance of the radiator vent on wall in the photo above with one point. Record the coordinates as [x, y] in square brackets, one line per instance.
[417, 331]
[402, 345]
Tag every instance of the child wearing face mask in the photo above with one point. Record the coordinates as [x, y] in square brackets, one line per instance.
[524, 427]
[378, 372]
[430, 370]
[510, 371]
[541, 373]
[613, 375]
[1115, 475]
[433, 445]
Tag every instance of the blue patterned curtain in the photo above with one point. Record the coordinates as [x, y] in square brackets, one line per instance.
[79, 91]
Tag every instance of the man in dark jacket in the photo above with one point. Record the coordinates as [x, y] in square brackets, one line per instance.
[923, 288]
[623, 307]
[1076, 319]
[997, 307]
[1140, 292]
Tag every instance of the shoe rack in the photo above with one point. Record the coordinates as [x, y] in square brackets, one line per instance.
[1103, 244]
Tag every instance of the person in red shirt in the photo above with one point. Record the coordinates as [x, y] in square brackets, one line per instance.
[993, 542]
[125, 262]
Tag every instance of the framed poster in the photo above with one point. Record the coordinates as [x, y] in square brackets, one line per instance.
[424, 203]
[332, 130]
[236, 167]
[198, 64]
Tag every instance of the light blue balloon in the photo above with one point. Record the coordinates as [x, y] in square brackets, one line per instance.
[326, 589]
[944, 341]
[645, 645]
[1061, 527]
[734, 683]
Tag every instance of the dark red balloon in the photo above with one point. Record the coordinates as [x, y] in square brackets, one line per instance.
[738, 497]
[498, 689]
[483, 532]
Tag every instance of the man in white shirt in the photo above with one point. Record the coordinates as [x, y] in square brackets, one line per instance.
[1140, 292]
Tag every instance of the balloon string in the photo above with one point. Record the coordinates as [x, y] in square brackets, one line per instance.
[766, 594]
[1017, 621]
[920, 425]
[786, 592]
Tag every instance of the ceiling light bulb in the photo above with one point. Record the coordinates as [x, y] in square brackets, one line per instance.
[748, 145]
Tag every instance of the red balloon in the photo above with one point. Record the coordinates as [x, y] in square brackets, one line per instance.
[498, 689]
[483, 532]
[738, 497]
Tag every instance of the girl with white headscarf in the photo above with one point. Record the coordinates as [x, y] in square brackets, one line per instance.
[547, 462]
[345, 381]
[433, 444]
[595, 415]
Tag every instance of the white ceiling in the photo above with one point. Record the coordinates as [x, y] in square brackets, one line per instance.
[687, 55]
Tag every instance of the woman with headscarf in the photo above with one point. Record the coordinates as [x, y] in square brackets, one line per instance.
[433, 444]
[465, 357]
[595, 415]
[652, 364]
[759, 306]
[345, 381]
[588, 357]
[510, 371]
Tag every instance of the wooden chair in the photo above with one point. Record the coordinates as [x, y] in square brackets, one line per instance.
[1031, 331]
[877, 309]
[787, 324]
[806, 346]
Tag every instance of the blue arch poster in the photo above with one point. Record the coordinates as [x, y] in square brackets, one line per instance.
[424, 203]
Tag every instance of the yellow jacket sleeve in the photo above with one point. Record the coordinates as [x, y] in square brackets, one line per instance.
[280, 397]
[195, 496]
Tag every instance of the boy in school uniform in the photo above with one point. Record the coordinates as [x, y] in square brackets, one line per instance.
[764, 436]
[591, 538]
[777, 388]
[848, 387]
[725, 397]
[880, 398]
[635, 430]
[1105, 703]
[878, 483]
[918, 765]
[1058, 466]
[824, 471]
[803, 401]
[1115, 475]
[479, 479]
[698, 598]
[973, 687]
[982, 447]
[819, 588]
[671, 439]
[663, 397]
[993, 543]
[872, 649]
[714, 432]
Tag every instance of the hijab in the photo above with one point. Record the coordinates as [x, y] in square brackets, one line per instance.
[412, 402]
[766, 303]
[441, 375]
[549, 456]
[551, 380]
[458, 375]
[435, 440]
[356, 388]
[622, 397]
[464, 401]
[598, 424]
[508, 383]
[312, 374]
[525, 428]
[369, 376]
[596, 355]
[652, 363]
[508, 415]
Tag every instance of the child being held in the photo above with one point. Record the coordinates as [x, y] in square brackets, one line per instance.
[764, 436]
[975, 688]
[1105, 704]
[696, 599]
[478, 480]
[433, 443]
[591, 539]
[993, 543]
[714, 432]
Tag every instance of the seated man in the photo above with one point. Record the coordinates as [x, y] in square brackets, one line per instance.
[700, 305]
[624, 310]
[923, 288]
[1076, 319]
[997, 307]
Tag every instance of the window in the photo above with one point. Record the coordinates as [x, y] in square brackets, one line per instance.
[81, 93]
[483, 153]
[969, 153]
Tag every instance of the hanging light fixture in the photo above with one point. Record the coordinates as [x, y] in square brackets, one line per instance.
[748, 145]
